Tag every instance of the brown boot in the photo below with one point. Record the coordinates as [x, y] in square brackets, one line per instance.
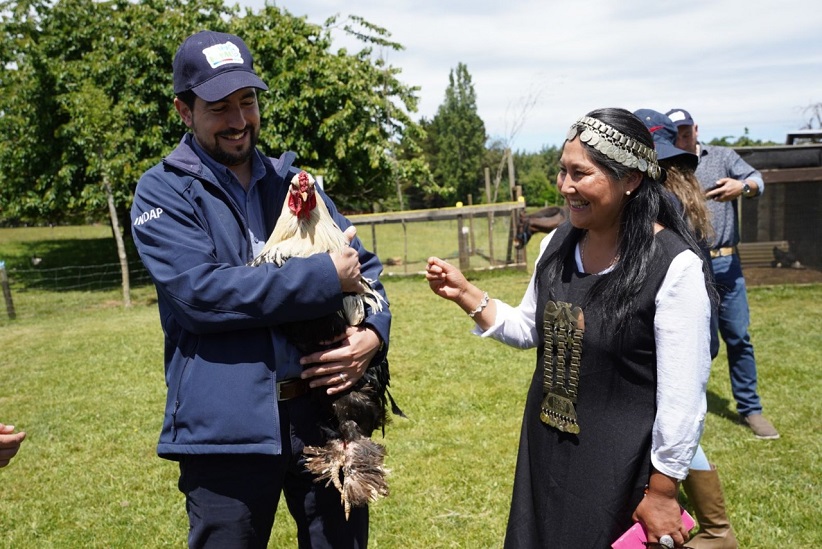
[705, 494]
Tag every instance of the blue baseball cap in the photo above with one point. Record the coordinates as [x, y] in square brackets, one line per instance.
[664, 133]
[214, 65]
[680, 117]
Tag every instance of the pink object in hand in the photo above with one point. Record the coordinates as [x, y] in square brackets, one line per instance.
[635, 537]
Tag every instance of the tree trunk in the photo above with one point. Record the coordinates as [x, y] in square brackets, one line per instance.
[498, 173]
[121, 247]
[399, 194]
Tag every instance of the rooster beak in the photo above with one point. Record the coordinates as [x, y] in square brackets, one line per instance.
[304, 196]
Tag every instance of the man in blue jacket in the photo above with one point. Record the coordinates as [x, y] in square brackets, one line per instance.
[238, 412]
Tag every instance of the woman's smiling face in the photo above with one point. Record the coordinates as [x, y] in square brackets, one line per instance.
[593, 196]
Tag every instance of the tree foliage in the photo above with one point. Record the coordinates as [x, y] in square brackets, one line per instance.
[455, 144]
[343, 114]
[537, 173]
[745, 140]
[87, 93]
[91, 94]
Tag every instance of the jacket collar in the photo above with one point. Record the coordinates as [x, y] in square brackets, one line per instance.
[184, 158]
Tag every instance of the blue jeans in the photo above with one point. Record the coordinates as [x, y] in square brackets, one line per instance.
[734, 318]
[700, 461]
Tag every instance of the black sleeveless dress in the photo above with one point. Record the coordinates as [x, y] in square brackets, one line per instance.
[579, 490]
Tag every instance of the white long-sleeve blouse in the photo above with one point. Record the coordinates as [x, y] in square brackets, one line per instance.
[681, 330]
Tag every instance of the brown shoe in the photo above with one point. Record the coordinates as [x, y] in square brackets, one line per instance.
[761, 427]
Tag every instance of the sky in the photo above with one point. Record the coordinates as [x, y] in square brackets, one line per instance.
[538, 65]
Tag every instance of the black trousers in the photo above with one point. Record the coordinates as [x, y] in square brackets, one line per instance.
[231, 499]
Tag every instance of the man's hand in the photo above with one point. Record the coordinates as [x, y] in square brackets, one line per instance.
[342, 366]
[726, 189]
[9, 443]
[347, 263]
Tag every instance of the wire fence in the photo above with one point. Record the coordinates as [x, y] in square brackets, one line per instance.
[77, 277]
[36, 292]
[478, 237]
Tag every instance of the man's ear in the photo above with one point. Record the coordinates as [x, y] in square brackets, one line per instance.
[183, 111]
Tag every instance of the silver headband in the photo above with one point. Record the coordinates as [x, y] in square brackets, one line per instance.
[616, 146]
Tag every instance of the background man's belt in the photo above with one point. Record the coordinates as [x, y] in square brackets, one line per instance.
[292, 388]
[722, 252]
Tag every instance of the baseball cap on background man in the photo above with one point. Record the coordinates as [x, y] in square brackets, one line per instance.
[680, 117]
[664, 131]
[214, 65]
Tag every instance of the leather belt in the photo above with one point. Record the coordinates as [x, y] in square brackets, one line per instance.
[722, 252]
[292, 388]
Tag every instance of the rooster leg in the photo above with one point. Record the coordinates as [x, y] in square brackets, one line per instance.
[344, 497]
[334, 475]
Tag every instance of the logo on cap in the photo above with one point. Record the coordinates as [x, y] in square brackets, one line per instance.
[223, 54]
[677, 116]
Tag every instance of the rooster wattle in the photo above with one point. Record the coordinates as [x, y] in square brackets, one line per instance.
[349, 460]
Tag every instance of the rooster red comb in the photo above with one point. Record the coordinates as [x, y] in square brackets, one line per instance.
[304, 180]
[302, 199]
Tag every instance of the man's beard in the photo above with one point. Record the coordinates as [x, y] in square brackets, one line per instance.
[234, 158]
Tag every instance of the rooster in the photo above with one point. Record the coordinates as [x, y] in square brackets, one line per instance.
[350, 460]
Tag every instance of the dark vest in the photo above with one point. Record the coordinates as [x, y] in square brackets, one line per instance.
[579, 490]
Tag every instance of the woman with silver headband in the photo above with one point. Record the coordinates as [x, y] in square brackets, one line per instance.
[618, 309]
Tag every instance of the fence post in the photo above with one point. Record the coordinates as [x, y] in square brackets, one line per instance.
[514, 221]
[4, 278]
[463, 244]
[374, 238]
[522, 256]
[473, 246]
[490, 218]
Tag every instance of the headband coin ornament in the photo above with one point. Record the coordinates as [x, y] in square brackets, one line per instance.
[616, 146]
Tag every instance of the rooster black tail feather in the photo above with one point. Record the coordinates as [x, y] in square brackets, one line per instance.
[394, 408]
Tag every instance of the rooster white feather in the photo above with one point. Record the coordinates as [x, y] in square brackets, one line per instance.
[305, 227]
[350, 461]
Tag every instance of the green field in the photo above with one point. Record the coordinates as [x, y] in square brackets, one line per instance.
[84, 378]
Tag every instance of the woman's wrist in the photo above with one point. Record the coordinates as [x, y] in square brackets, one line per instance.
[470, 298]
[661, 485]
[482, 305]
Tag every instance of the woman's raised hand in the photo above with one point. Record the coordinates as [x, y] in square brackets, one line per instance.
[444, 279]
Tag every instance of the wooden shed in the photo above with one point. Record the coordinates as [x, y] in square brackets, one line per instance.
[789, 214]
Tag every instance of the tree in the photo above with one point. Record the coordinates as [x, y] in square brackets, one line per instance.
[814, 113]
[537, 173]
[413, 180]
[57, 59]
[87, 102]
[743, 141]
[344, 115]
[500, 150]
[87, 77]
[341, 113]
[455, 144]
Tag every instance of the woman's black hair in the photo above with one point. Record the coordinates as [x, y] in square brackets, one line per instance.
[646, 205]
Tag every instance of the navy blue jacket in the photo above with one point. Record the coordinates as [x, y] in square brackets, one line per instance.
[223, 352]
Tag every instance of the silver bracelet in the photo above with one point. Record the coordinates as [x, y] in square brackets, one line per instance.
[483, 304]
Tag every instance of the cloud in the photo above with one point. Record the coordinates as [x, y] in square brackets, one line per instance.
[734, 64]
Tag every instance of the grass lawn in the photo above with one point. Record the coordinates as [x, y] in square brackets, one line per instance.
[86, 382]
